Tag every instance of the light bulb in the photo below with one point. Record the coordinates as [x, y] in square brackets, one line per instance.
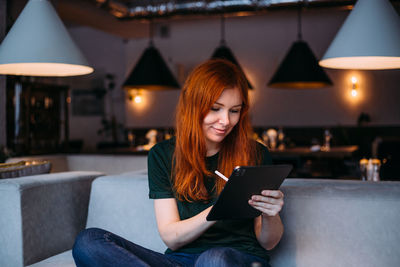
[138, 99]
[354, 91]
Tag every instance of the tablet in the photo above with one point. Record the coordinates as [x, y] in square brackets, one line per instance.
[244, 182]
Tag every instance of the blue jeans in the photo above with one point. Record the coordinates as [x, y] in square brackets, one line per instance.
[97, 247]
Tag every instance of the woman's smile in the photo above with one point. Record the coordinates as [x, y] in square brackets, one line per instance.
[219, 131]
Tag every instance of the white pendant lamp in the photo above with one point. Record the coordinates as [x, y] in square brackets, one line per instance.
[369, 39]
[38, 44]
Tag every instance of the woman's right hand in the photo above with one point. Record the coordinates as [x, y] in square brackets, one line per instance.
[176, 232]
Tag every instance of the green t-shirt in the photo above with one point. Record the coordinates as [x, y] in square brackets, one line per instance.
[237, 234]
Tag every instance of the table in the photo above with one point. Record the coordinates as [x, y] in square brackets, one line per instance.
[338, 161]
[333, 152]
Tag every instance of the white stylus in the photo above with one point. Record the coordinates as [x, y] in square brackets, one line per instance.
[221, 175]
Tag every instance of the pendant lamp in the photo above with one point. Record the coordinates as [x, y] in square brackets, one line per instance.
[38, 44]
[223, 52]
[369, 39]
[151, 72]
[299, 69]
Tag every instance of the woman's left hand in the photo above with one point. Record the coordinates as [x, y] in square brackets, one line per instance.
[270, 202]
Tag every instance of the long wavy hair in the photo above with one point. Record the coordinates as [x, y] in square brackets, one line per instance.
[201, 90]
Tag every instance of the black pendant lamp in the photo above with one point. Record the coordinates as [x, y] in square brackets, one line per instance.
[151, 72]
[224, 52]
[300, 68]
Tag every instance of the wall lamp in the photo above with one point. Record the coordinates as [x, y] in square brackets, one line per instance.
[135, 95]
[354, 87]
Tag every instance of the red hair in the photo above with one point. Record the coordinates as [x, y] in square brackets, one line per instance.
[202, 88]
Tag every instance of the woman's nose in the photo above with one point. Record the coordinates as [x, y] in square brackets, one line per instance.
[224, 118]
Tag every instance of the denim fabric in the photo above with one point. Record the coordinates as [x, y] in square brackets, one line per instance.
[97, 247]
[228, 257]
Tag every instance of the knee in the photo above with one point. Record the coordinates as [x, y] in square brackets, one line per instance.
[220, 257]
[86, 237]
[85, 241]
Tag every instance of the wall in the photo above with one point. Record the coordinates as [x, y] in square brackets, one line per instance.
[259, 43]
[105, 53]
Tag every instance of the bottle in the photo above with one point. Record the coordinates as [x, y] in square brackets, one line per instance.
[327, 140]
[373, 168]
[281, 139]
[272, 138]
[363, 168]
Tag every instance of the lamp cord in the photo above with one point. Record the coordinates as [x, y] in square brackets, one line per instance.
[222, 30]
[299, 35]
[151, 32]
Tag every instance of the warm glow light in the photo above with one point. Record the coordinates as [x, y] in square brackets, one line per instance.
[135, 95]
[137, 99]
[354, 86]
[45, 69]
[252, 97]
[354, 92]
[361, 63]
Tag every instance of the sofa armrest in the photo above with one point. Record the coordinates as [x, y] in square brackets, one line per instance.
[41, 215]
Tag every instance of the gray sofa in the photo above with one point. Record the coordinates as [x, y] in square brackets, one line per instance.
[327, 222]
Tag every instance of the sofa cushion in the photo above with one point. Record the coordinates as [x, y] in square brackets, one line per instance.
[339, 223]
[120, 204]
[64, 259]
[24, 168]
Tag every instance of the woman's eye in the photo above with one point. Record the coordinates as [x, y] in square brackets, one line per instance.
[214, 109]
[235, 110]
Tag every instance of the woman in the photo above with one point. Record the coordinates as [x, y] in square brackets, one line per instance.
[212, 132]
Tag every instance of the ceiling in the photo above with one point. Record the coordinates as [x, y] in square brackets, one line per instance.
[129, 18]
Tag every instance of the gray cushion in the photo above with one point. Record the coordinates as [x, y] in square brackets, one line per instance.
[64, 259]
[339, 223]
[121, 205]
